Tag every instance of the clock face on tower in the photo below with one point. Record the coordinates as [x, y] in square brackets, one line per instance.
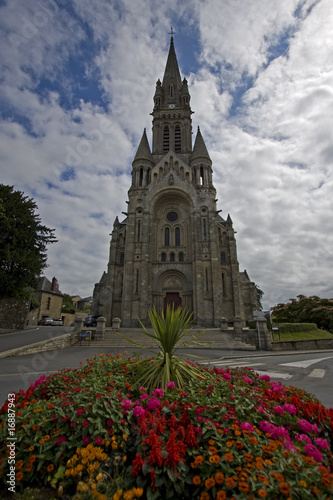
[171, 106]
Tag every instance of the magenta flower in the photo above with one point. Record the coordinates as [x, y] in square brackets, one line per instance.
[138, 411]
[153, 404]
[86, 422]
[226, 376]
[99, 440]
[126, 403]
[313, 452]
[80, 411]
[170, 385]
[247, 380]
[322, 443]
[290, 408]
[278, 409]
[86, 440]
[306, 426]
[158, 393]
[303, 437]
[246, 426]
[60, 440]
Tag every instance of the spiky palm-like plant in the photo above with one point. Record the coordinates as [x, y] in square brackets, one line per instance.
[169, 331]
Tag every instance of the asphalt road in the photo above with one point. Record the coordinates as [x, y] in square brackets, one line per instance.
[311, 371]
[30, 335]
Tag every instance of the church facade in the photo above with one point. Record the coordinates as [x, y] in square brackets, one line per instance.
[173, 247]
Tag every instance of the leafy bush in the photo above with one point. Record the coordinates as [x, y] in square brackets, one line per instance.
[94, 432]
[297, 327]
[170, 329]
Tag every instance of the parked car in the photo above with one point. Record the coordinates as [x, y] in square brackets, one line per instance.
[45, 321]
[57, 322]
[90, 321]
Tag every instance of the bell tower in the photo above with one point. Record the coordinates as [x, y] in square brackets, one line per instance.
[172, 129]
[173, 247]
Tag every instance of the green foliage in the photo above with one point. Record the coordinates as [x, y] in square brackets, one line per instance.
[297, 327]
[23, 241]
[260, 295]
[34, 303]
[67, 304]
[169, 332]
[306, 310]
[94, 433]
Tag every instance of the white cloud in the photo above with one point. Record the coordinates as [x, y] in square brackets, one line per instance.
[262, 97]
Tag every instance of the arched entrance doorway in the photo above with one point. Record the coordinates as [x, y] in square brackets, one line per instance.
[172, 299]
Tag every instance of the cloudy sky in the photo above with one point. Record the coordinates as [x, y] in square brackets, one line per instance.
[77, 84]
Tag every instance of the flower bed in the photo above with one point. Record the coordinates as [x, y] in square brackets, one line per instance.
[94, 433]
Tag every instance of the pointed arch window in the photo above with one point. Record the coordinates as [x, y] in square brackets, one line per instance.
[166, 237]
[163, 257]
[141, 177]
[178, 141]
[166, 139]
[177, 237]
[149, 176]
[181, 257]
[172, 257]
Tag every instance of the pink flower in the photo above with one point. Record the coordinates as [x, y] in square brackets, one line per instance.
[126, 403]
[86, 440]
[278, 409]
[306, 426]
[153, 404]
[246, 426]
[226, 376]
[170, 385]
[144, 396]
[290, 408]
[247, 380]
[303, 437]
[265, 377]
[322, 443]
[61, 439]
[99, 440]
[138, 411]
[80, 411]
[158, 393]
[86, 422]
[313, 452]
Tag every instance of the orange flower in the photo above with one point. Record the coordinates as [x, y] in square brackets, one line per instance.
[213, 450]
[262, 493]
[50, 468]
[219, 477]
[229, 457]
[214, 459]
[303, 483]
[196, 480]
[211, 442]
[204, 495]
[221, 495]
[229, 481]
[19, 476]
[284, 488]
[31, 448]
[253, 440]
[242, 486]
[19, 464]
[209, 483]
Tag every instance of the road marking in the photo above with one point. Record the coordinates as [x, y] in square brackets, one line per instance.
[317, 372]
[284, 376]
[305, 363]
[231, 365]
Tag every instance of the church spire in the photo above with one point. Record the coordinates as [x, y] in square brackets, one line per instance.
[171, 80]
[143, 152]
[199, 149]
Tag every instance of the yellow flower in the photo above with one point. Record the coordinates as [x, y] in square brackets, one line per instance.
[138, 492]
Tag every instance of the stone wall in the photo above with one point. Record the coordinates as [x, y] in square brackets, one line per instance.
[45, 345]
[302, 345]
[13, 313]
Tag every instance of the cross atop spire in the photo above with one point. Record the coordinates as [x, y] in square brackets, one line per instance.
[172, 32]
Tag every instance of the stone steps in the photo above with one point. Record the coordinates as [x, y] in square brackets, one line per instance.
[212, 339]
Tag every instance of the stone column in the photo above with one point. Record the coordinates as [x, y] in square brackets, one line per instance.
[116, 324]
[238, 326]
[223, 324]
[100, 328]
[78, 325]
[265, 335]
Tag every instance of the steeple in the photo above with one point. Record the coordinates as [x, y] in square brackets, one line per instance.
[172, 129]
[143, 153]
[171, 81]
[199, 149]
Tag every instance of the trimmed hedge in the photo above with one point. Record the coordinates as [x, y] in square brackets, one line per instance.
[297, 327]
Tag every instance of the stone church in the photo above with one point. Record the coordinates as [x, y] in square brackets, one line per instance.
[173, 246]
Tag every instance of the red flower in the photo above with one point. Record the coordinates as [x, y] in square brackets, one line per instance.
[176, 450]
[155, 456]
[137, 464]
[190, 437]
[80, 411]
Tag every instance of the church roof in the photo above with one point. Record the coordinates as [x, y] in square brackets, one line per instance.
[172, 69]
[199, 148]
[143, 152]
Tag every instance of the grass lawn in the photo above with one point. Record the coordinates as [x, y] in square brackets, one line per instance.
[312, 335]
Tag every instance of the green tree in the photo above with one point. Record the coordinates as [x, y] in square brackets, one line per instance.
[23, 241]
[67, 304]
[306, 310]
